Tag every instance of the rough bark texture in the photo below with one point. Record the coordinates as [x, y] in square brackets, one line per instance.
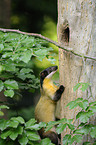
[77, 31]
[5, 13]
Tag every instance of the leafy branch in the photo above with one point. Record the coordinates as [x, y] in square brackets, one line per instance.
[49, 40]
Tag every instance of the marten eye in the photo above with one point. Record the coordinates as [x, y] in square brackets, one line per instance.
[44, 74]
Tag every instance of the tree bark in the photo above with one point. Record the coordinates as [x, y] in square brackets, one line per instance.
[5, 8]
[76, 31]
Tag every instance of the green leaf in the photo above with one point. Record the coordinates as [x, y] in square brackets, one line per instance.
[1, 113]
[63, 120]
[26, 70]
[1, 85]
[7, 54]
[5, 134]
[77, 138]
[41, 53]
[84, 116]
[70, 121]
[76, 86]
[46, 141]
[36, 126]
[9, 93]
[66, 139]
[29, 123]
[32, 135]
[9, 66]
[15, 132]
[78, 102]
[93, 108]
[23, 140]
[92, 103]
[1, 69]
[72, 104]
[1, 47]
[60, 128]
[85, 86]
[19, 119]
[50, 125]
[11, 84]
[71, 126]
[42, 124]
[4, 107]
[15, 56]
[84, 104]
[6, 75]
[3, 124]
[93, 132]
[26, 56]
[13, 123]
[84, 130]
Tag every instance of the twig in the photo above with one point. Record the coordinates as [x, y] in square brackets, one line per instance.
[49, 40]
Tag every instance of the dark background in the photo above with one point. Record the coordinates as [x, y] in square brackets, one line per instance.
[36, 16]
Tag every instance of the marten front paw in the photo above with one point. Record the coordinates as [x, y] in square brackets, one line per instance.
[61, 88]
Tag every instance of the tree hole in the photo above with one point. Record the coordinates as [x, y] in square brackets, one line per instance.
[65, 33]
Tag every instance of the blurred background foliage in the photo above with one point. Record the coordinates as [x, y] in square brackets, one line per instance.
[39, 16]
[36, 16]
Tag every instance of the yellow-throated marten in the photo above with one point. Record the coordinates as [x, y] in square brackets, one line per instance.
[45, 109]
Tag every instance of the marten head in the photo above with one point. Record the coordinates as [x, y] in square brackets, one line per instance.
[47, 73]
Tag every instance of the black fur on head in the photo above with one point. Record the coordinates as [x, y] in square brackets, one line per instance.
[48, 71]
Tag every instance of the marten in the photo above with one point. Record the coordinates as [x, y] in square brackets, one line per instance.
[45, 109]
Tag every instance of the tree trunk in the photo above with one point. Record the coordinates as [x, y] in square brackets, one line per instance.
[76, 31]
[5, 7]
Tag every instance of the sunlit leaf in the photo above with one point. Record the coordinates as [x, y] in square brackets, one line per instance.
[60, 128]
[9, 93]
[11, 84]
[4, 107]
